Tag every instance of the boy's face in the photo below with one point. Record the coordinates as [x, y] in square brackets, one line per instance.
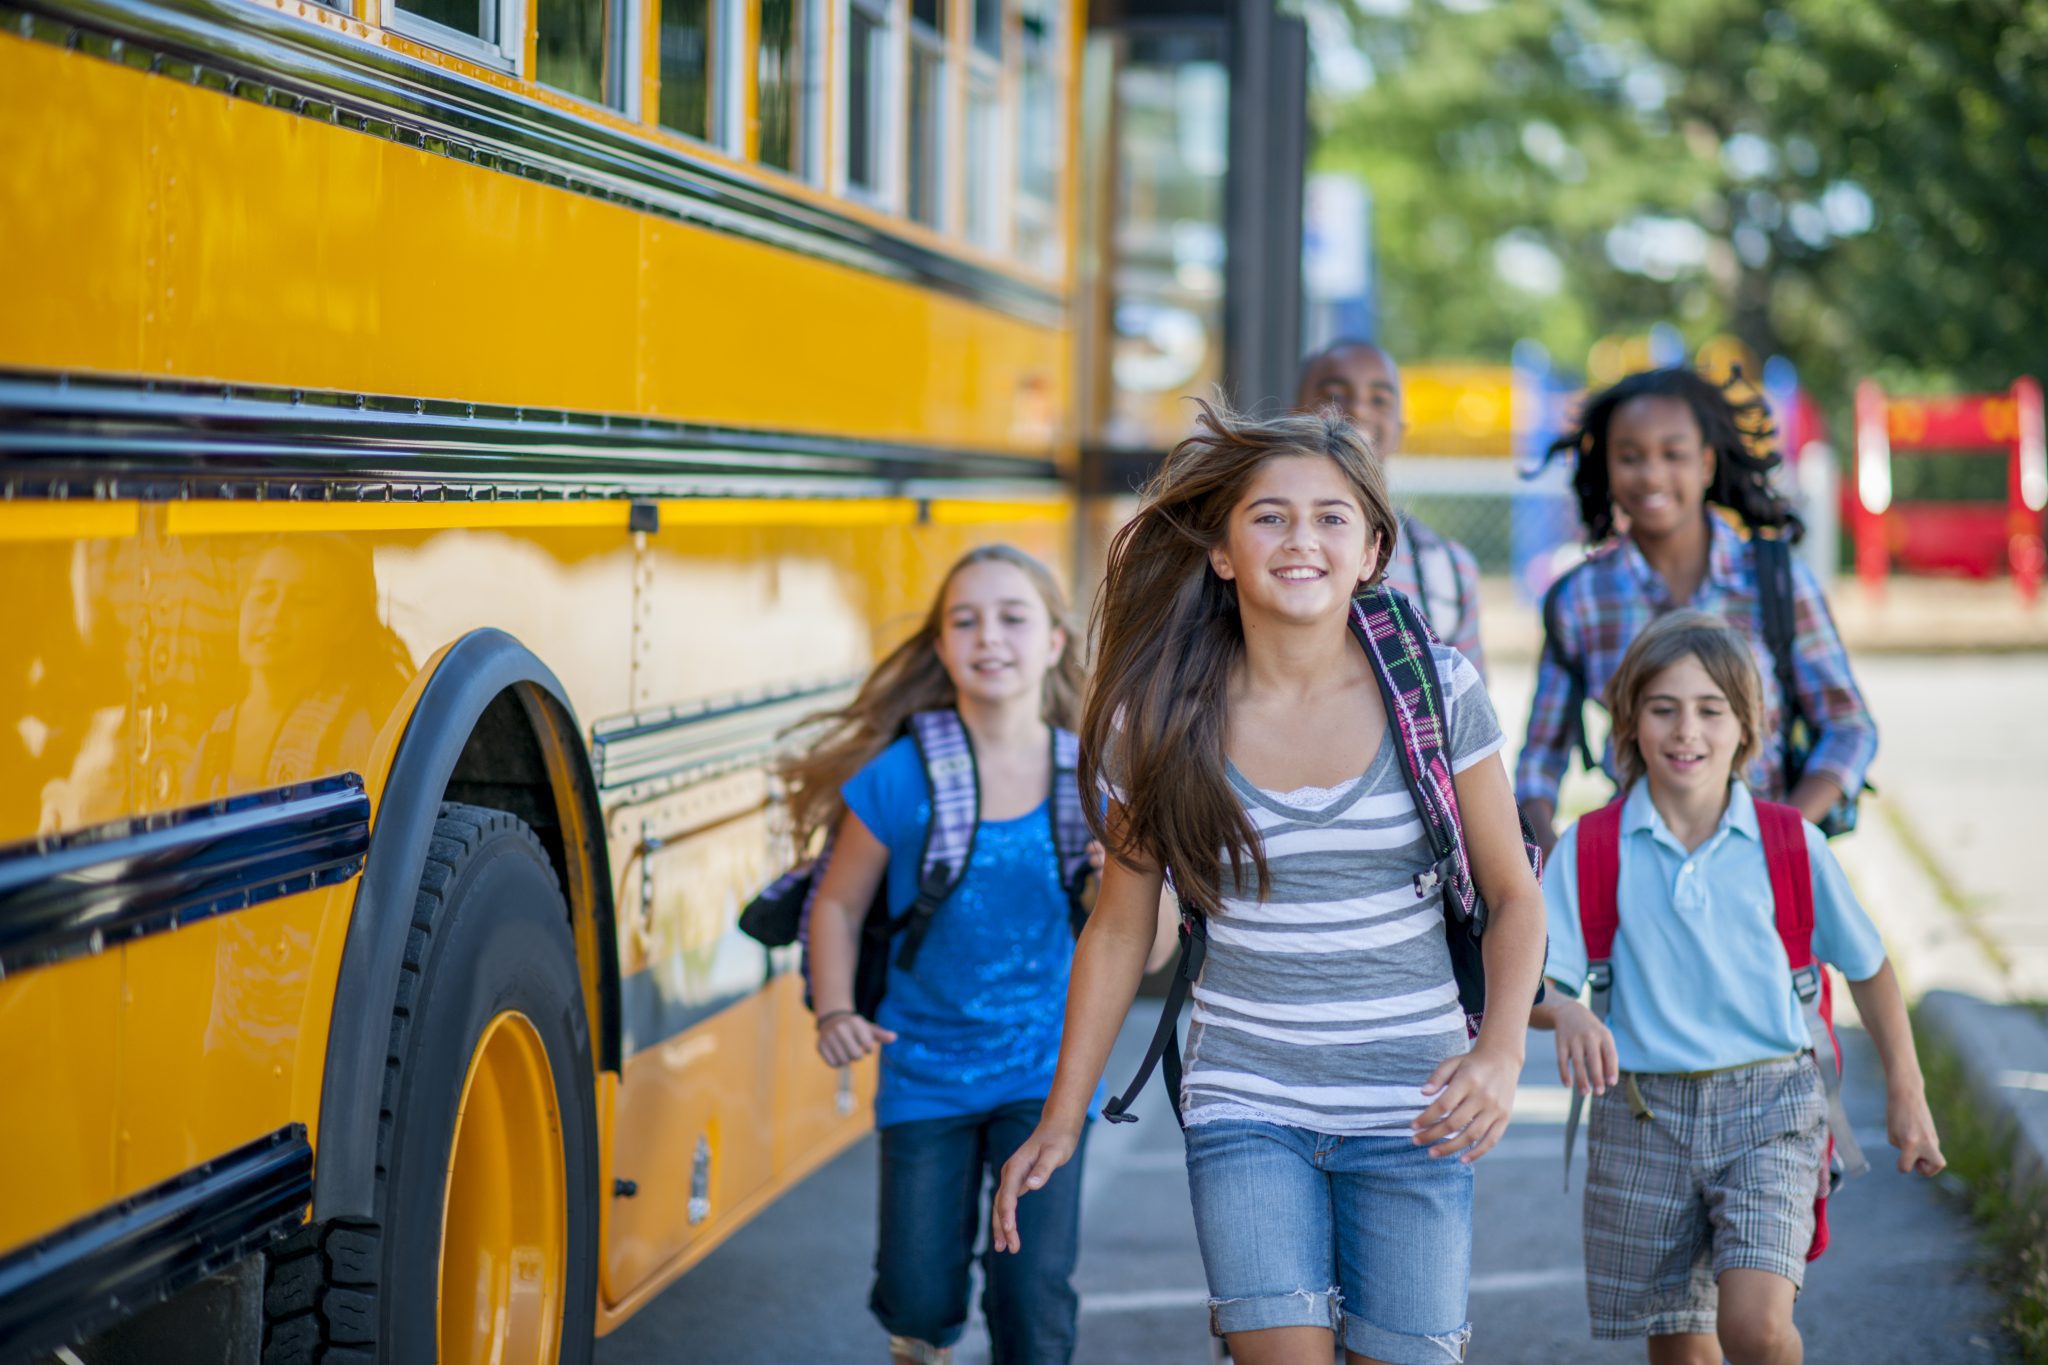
[1362, 384]
[1687, 731]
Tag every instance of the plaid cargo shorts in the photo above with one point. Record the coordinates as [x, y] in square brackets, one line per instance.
[1688, 1176]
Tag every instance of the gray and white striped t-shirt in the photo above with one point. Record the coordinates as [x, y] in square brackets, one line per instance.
[1327, 1004]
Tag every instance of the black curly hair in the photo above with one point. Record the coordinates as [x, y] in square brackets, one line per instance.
[1735, 425]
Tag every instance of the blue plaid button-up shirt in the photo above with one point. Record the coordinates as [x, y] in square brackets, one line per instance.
[1609, 600]
[1456, 626]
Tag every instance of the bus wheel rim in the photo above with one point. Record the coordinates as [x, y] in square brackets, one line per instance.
[504, 1213]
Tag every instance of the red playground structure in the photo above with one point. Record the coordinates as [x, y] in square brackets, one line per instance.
[1977, 536]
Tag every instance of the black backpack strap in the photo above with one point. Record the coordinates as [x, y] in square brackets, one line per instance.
[1574, 669]
[1164, 1049]
[1070, 833]
[947, 753]
[1775, 601]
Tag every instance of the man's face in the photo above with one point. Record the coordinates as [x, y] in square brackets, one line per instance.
[1362, 384]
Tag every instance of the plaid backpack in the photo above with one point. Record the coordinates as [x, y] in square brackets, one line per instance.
[781, 913]
[1784, 841]
[1397, 639]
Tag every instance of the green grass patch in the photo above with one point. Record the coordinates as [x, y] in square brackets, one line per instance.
[2015, 1222]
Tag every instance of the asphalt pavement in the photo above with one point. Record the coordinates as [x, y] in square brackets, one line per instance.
[1903, 1282]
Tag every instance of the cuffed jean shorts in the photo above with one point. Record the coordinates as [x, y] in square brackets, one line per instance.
[1367, 1236]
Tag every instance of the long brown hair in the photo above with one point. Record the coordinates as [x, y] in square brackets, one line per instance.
[1722, 653]
[909, 680]
[1168, 635]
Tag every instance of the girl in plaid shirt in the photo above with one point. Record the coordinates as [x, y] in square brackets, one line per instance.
[1652, 453]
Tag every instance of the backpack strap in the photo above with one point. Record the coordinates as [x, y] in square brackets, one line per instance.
[1599, 848]
[1070, 833]
[1436, 578]
[1164, 1049]
[1397, 640]
[1780, 627]
[1784, 840]
[1574, 669]
[947, 753]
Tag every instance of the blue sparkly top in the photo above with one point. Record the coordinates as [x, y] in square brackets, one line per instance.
[978, 1017]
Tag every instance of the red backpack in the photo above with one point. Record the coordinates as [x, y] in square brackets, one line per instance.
[1784, 840]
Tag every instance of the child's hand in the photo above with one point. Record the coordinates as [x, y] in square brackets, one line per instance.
[1474, 1094]
[1910, 1126]
[1586, 1059]
[846, 1038]
[1047, 1149]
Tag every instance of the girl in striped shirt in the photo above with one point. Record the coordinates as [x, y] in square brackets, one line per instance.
[1240, 733]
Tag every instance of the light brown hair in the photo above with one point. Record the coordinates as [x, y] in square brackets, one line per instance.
[909, 680]
[1167, 636]
[1722, 652]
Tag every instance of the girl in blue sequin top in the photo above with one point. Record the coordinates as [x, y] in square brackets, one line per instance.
[969, 1036]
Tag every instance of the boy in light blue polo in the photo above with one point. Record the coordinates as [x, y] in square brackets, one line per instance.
[1708, 1134]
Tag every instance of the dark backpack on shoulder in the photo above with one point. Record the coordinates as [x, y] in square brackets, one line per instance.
[1397, 639]
[780, 915]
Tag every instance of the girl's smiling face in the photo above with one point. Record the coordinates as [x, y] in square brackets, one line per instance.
[1687, 731]
[997, 639]
[1658, 464]
[1296, 544]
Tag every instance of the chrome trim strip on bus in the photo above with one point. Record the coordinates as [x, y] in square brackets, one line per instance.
[89, 1274]
[69, 895]
[257, 53]
[680, 745]
[66, 435]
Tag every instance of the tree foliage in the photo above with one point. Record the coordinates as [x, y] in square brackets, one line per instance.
[1858, 184]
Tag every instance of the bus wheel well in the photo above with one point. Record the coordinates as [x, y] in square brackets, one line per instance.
[501, 766]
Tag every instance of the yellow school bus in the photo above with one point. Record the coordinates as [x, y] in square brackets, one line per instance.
[444, 443]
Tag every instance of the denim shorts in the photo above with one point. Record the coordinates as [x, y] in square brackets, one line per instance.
[1370, 1237]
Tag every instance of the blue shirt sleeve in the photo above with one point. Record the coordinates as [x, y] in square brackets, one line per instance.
[884, 794]
[1566, 964]
[1843, 935]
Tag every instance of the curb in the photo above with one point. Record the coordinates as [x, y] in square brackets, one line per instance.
[2003, 1053]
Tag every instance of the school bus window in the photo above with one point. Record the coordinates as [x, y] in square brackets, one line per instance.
[694, 38]
[481, 30]
[928, 112]
[1038, 137]
[789, 82]
[581, 48]
[865, 116]
[984, 160]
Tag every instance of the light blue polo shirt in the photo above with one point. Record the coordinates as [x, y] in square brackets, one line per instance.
[1700, 977]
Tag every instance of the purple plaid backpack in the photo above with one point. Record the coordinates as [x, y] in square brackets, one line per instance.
[1397, 638]
[781, 914]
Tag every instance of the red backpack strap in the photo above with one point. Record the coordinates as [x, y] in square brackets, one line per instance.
[1600, 880]
[1784, 840]
[1599, 845]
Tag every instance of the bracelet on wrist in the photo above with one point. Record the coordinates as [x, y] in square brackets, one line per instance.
[829, 1015]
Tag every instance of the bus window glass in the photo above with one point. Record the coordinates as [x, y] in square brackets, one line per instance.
[1157, 305]
[984, 160]
[689, 67]
[787, 84]
[580, 48]
[927, 115]
[988, 27]
[1039, 152]
[474, 18]
[867, 81]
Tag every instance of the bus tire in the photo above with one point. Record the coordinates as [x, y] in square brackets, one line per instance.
[489, 942]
